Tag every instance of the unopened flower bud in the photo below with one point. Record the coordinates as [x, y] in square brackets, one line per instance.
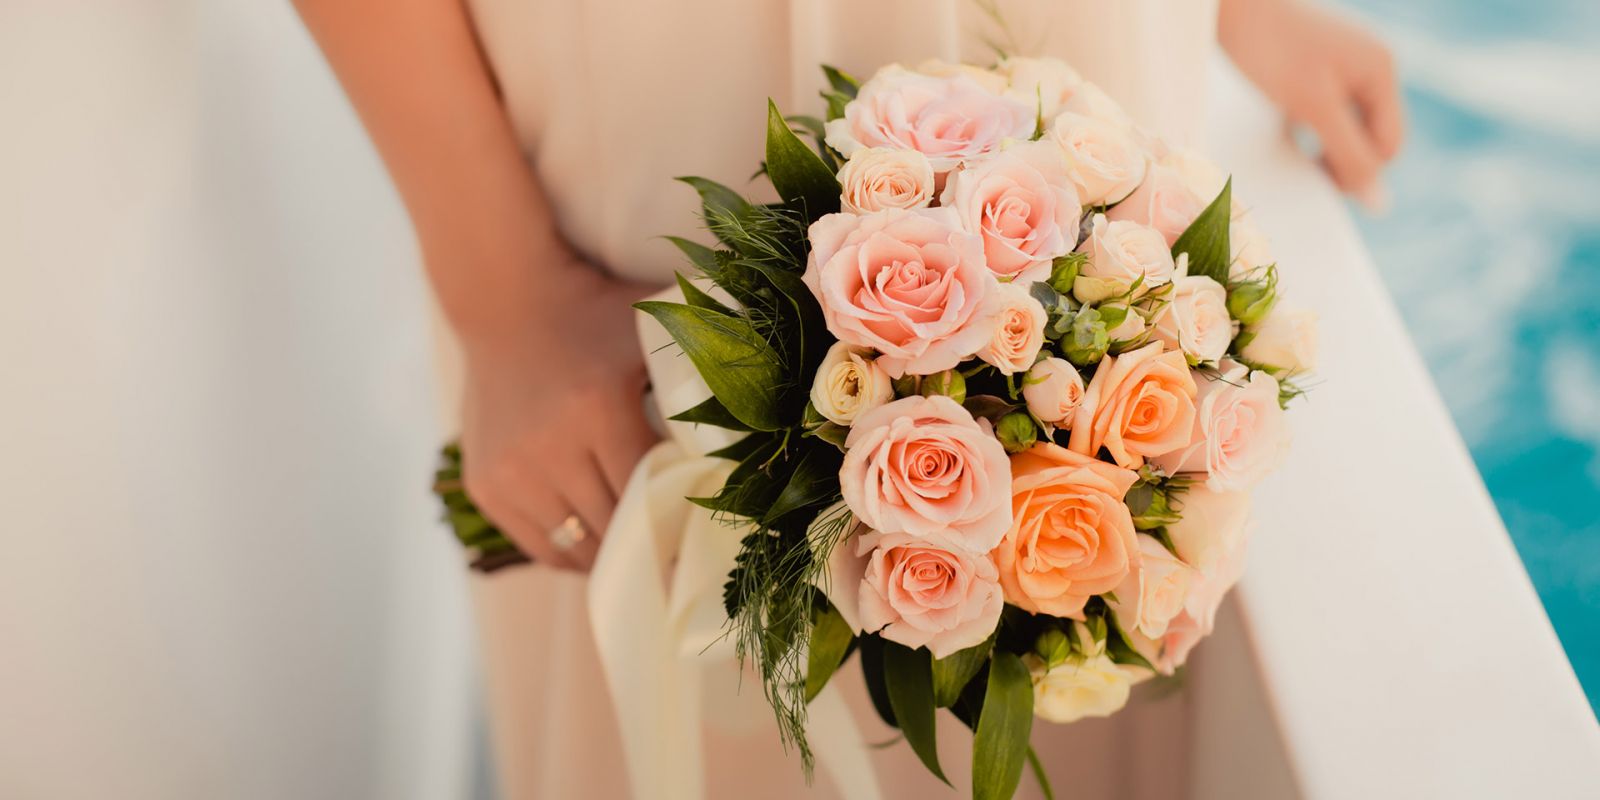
[1065, 270]
[1017, 432]
[1053, 647]
[1085, 342]
[949, 383]
[1249, 302]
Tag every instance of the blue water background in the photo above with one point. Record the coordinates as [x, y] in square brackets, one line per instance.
[1492, 251]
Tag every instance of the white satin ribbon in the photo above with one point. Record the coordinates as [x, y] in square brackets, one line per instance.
[655, 602]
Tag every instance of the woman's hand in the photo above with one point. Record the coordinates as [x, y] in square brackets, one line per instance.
[553, 417]
[1325, 72]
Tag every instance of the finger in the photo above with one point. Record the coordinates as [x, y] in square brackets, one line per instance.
[618, 457]
[1346, 149]
[1382, 112]
[529, 534]
[591, 499]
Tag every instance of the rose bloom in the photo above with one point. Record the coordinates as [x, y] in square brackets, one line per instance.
[1022, 203]
[1053, 390]
[989, 79]
[1071, 537]
[1019, 323]
[1119, 253]
[1154, 594]
[1198, 617]
[923, 592]
[1286, 340]
[1197, 321]
[1251, 250]
[1089, 686]
[1211, 525]
[924, 466]
[1104, 159]
[1138, 405]
[1163, 201]
[849, 383]
[1089, 100]
[948, 119]
[1045, 84]
[876, 178]
[1131, 328]
[1240, 431]
[909, 284]
[1203, 177]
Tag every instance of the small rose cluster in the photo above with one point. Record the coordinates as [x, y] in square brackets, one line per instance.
[1046, 408]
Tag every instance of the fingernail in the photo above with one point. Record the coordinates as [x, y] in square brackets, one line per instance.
[1375, 198]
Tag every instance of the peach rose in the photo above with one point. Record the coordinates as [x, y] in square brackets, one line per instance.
[1019, 323]
[923, 466]
[1053, 391]
[1022, 203]
[1105, 160]
[1072, 537]
[1155, 593]
[1138, 405]
[1163, 201]
[1120, 253]
[1197, 321]
[876, 178]
[925, 592]
[909, 284]
[1240, 432]
[946, 118]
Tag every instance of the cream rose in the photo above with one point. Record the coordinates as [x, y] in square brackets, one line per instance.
[1071, 537]
[1154, 594]
[1286, 340]
[1196, 321]
[1211, 525]
[1022, 203]
[909, 284]
[946, 118]
[1139, 405]
[1045, 84]
[1105, 161]
[925, 592]
[876, 178]
[1163, 201]
[1119, 253]
[1053, 390]
[848, 384]
[924, 466]
[1019, 323]
[1089, 100]
[1240, 431]
[1086, 686]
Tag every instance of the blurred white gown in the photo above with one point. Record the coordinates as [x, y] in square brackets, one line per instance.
[612, 99]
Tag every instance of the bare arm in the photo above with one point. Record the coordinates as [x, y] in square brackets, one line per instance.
[552, 422]
[1325, 72]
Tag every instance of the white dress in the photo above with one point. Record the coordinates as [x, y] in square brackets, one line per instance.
[612, 99]
[1319, 679]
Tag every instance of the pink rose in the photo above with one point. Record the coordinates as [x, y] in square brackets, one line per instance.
[946, 118]
[1120, 254]
[1154, 593]
[909, 284]
[1023, 204]
[1105, 160]
[1018, 335]
[1199, 615]
[1139, 405]
[1053, 391]
[1196, 321]
[1210, 526]
[922, 592]
[1240, 433]
[1163, 201]
[923, 466]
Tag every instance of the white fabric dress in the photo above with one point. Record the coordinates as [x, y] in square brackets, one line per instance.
[612, 99]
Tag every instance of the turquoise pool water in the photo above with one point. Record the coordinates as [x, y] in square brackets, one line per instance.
[1492, 250]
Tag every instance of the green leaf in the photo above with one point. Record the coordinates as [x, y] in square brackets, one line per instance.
[744, 448]
[735, 361]
[813, 126]
[836, 103]
[698, 254]
[711, 412]
[1001, 743]
[815, 482]
[830, 641]
[842, 82]
[908, 674]
[1039, 775]
[872, 673]
[806, 327]
[1121, 652]
[951, 673]
[714, 197]
[695, 296]
[1206, 240]
[832, 433]
[797, 172]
